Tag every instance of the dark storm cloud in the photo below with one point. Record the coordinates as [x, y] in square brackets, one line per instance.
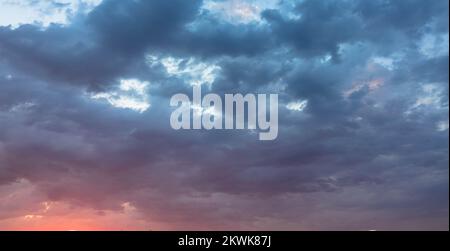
[366, 151]
[132, 26]
[320, 29]
[322, 26]
[61, 55]
[111, 41]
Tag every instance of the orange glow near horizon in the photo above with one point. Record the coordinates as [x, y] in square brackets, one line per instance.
[30, 210]
[84, 221]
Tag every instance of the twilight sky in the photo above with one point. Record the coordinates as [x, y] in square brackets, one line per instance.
[85, 136]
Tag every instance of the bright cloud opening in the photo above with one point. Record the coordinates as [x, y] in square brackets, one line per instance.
[442, 126]
[434, 45]
[431, 96]
[387, 63]
[131, 94]
[239, 11]
[194, 73]
[297, 106]
[18, 12]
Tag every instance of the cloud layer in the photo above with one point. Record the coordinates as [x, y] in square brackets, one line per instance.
[85, 140]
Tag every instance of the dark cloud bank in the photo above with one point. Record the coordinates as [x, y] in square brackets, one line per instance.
[370, 150]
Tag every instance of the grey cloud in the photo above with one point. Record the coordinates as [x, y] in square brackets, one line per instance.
[346, 162]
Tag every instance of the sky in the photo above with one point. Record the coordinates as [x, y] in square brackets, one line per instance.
[85, 136]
